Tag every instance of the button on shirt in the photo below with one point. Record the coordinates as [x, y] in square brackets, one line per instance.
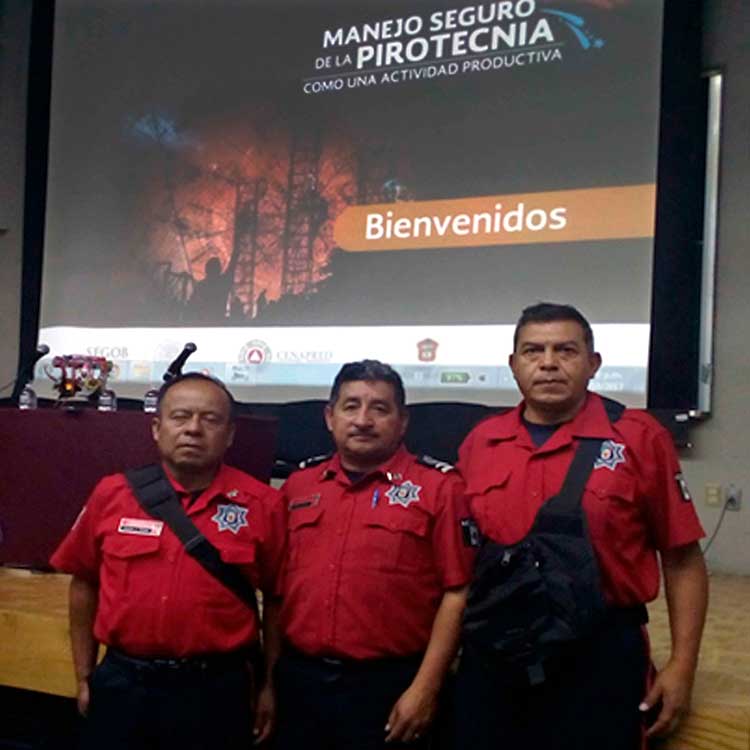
[156, 600]
[635, 501]
[368, 562]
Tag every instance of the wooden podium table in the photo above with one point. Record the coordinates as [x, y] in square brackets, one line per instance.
[34, 636]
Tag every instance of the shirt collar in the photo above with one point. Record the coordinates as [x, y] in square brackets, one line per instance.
[590, 422]
[392, 469]
[219, 486]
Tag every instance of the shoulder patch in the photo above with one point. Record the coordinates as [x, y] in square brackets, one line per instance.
[434, 463]
[470, 532]
[682, 484]
[314, 460]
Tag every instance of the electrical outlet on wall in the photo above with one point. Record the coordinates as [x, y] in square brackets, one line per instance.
[713, 494]
[734, 497]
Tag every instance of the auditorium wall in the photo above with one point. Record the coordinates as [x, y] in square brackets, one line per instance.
[15, 24]
[721, 453]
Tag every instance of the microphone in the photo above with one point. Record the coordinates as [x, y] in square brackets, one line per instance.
[28, 372]
[41, 351]
[175, 368]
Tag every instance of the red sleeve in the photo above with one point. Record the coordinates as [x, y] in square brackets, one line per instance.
[453, 557]
[79, 552]
[273, 548]
[669, 507]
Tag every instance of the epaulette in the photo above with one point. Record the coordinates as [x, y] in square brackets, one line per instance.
[314, 460]
[434, 463]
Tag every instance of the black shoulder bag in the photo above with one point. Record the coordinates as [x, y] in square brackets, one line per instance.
[529, 599]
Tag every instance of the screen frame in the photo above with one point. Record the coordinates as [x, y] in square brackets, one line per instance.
[676, 281]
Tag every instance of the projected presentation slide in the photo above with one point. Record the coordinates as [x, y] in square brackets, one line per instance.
[291, 186]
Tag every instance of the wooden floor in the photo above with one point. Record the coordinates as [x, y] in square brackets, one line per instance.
[720, 718]
[35, 653]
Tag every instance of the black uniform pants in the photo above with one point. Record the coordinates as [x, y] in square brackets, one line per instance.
[589, 700]
[139, 704]
[329, 704]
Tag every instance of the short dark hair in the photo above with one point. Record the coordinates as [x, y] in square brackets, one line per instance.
[201, 377]
[370, 370]
[551, 312]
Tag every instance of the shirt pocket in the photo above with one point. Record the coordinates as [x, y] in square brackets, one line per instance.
[128, 556]
[398, 541]
[611, 508]
[242, 555]
[305, 536]
[488, 500]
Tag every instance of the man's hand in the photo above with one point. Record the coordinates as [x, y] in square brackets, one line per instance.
[265, 714]
[83, 697]
[83, 599]
[416, 708]
[672, 687]
[412, 715]
[686, 587]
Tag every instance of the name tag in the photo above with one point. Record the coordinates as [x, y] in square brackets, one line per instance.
[140, 526]
[304, 502]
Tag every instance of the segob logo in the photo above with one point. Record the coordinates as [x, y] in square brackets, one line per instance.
[110, 352]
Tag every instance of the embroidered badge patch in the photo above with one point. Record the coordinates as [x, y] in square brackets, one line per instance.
[611, 454]
[403, 494]
[230, 518]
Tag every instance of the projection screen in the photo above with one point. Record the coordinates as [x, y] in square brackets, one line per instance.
[293, 185]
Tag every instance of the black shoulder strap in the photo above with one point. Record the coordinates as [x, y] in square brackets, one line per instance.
[613, 408]
[157, 497]
[571, 492]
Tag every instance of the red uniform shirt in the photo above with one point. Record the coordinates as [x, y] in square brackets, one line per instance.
[156, 600]
[635, 500]
[368, 562]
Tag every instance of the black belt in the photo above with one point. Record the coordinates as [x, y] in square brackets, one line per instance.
[637, 615]
[344, 664]
[202, 663]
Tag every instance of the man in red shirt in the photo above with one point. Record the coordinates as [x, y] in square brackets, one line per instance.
[176, 673]
[375, 578]
[636, 508]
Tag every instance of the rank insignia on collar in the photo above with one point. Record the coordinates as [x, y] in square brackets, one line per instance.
[611, 454]
[403, 494]
[232, 494]
[230, 518]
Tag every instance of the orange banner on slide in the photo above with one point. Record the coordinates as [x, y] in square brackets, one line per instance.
[562, 216]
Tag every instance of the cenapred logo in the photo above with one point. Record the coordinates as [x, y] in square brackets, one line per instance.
[255, 352]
